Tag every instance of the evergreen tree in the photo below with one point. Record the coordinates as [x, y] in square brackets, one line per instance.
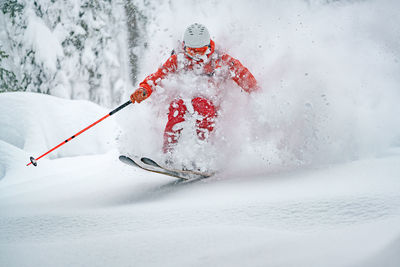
[75, 50]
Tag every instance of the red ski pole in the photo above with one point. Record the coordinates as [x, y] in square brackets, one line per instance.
[34, 161]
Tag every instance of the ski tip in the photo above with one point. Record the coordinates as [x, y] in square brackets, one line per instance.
[122, 157]
[125, 159]
[128, 160]
[151, 162]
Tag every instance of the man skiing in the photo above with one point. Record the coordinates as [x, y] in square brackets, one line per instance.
[197, 55]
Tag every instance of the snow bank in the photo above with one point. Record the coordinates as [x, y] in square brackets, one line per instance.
[329, 77]
[31, 124]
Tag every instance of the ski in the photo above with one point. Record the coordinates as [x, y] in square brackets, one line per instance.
[154, 167]
[130, 161]
[151, 162]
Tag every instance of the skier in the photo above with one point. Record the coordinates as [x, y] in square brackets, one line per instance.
[197, 55]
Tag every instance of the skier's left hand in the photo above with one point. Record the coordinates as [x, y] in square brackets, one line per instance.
[139, 95]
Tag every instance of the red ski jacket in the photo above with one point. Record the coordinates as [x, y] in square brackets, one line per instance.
[214, 61]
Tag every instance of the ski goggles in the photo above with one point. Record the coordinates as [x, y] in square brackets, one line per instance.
[196, 51]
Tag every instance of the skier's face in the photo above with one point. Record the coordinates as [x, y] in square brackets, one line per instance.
[196, 52]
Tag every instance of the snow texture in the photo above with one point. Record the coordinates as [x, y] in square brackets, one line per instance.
[308, 167]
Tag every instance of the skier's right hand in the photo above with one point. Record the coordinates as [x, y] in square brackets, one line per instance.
[139, 95]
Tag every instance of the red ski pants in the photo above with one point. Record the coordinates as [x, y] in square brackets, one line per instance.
[205, 113]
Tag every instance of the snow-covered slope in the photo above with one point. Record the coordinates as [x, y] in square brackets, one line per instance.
[95, 211]
[310, 165]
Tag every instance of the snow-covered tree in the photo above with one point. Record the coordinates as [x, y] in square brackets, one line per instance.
[71, 49]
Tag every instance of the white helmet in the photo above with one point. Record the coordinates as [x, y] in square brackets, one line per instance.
[196, 36]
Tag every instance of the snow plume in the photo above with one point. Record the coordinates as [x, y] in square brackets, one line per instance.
[328, 72]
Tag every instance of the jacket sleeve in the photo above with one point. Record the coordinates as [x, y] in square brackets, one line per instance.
[151, 81]
[240, 74]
